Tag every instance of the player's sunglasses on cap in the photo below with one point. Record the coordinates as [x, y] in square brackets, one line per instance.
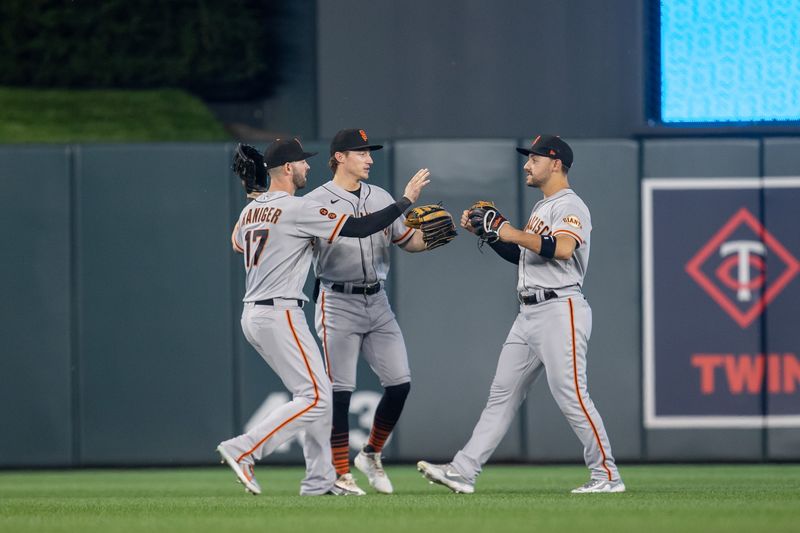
[285, 151]
[550, 146]
[352, 140]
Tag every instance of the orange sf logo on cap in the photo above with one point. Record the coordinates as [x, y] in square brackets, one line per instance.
[552, 152]
[363, 134]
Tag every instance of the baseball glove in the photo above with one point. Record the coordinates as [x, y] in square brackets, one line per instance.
[248, 164]
[486, 220]
[435, 223]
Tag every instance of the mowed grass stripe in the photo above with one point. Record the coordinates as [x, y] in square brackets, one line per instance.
[508, 498]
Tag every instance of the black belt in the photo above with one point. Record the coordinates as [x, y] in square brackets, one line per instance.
[357, 289]
[531, 300]
[272, 302]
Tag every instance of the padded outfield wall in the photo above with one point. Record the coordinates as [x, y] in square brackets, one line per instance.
[120, 342]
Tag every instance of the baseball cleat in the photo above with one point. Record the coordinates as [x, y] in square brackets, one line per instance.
[244, 472]
[346, 486]
[446, 475]
[600, 485]
[370, 464]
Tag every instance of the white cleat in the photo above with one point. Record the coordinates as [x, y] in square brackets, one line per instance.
[600, 486]
[244, 472]
[346, 486]
[446, 475]
[370, 464]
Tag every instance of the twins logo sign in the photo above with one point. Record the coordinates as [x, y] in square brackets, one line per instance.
[721, 297]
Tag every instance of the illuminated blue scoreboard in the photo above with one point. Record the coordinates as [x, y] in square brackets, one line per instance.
[729, 61]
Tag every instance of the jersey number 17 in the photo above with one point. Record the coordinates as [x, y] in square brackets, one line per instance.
[256, 238]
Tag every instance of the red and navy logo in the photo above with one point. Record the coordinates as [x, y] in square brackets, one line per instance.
[732, 267]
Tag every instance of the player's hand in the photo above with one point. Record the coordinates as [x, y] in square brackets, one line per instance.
[465, 221]
[416, 183]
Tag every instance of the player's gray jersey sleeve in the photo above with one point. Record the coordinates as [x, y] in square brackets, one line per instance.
[570, 217]
[319, 195]
[316, 220]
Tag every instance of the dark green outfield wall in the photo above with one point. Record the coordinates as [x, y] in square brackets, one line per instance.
[119, 334]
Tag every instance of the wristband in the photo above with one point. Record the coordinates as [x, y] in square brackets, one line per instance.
[548, 250]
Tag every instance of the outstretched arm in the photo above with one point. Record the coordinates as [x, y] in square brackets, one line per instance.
[564, 246]
[375, 222]
[415, 243]
[508, 251]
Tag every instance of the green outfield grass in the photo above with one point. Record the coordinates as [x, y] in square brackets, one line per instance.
[508, 499]
[60, 116]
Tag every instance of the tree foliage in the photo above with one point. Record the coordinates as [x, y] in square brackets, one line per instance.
[219, 49]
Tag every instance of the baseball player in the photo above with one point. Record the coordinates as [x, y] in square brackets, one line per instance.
[274, 233]
[353, 314]
[552, 329]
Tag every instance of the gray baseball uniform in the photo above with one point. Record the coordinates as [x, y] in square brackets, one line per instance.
[275, 234]
[551, 335]
[349, 323]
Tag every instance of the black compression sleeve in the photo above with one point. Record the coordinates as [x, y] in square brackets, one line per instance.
[507, 250]
[374, 222]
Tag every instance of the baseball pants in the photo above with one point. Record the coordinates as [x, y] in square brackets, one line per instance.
[281, 336]
[349, 324]
[553, 337]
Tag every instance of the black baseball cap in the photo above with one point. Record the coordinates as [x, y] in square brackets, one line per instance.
[285, 151]
[550, 146]
[352, 140]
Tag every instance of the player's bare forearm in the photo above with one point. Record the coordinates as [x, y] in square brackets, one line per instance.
[234, 243]
[415, 243]
[533, 242]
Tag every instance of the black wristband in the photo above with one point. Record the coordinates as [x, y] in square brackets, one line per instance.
[548, 246]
